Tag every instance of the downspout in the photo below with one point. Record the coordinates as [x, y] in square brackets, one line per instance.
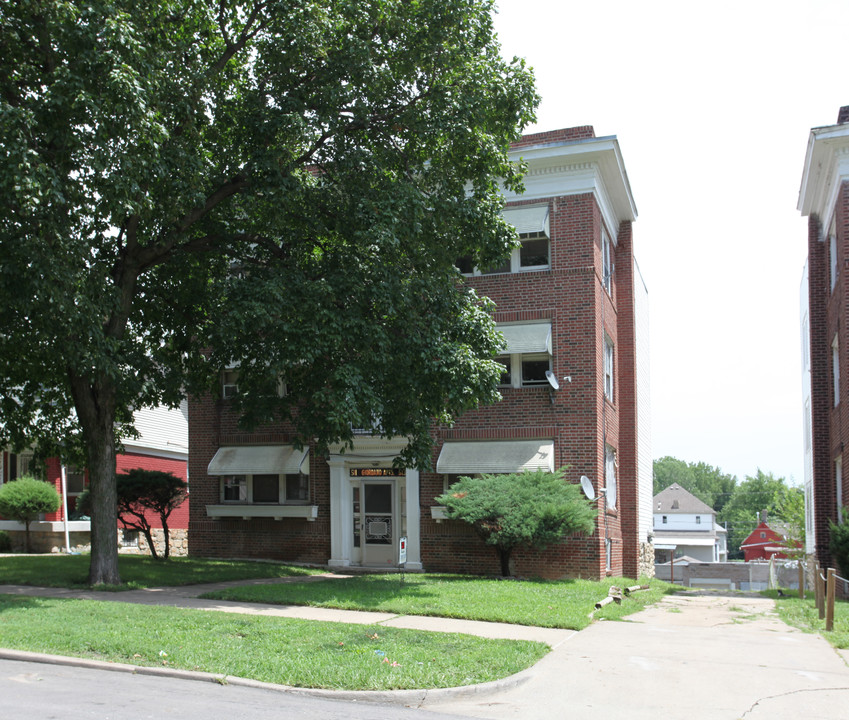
[65, 509]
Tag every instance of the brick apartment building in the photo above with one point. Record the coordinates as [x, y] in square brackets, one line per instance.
[573, 310]
[824, 200]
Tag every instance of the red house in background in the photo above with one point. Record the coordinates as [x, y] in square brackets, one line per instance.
[764, 543]
[162, 445]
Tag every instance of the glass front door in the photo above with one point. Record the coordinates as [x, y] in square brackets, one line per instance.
[377, 528]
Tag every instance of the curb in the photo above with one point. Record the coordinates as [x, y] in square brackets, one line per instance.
[412, 698]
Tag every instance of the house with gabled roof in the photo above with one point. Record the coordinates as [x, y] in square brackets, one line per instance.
[684, 525]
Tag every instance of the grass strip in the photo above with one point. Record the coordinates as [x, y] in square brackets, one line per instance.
[137, 571]
[300, 653]
[803, 614]
[556, 604]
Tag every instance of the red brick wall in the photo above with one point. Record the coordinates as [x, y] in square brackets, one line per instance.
[828, 316]
[211, 425]
[179, 518]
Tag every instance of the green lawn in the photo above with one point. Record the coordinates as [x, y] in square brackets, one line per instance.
[803, 615]
[276, 650]
[137, 571]
[560, 604]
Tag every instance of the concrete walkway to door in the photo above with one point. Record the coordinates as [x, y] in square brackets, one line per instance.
[696, 656]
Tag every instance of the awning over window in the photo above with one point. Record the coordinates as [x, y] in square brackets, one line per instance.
[528, 219]
[531, 338]
[259, 460]
[497, 456]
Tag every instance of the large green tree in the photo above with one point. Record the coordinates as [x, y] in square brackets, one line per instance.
[278, 184]
[763, 492]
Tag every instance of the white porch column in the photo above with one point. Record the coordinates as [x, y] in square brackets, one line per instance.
[414, 551]
[341, 515]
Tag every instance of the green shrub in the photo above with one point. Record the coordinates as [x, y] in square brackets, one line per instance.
[839, 544]
[531, 509]
[25, 499]
[5, 542]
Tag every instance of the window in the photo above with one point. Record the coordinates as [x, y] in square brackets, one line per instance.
[698, 519]
[610, 476]
[606, 262]
[129, 538]
[664, 519]
[297, 487]
[19, 465]
[608, 368]
[234, 488]
[524, 370]
[838, 486]
[835, 369]
[608, 553]
[229, 383]
[763, 535]
[532, 254]
[449, 479]
[74, 481]
[265, 488]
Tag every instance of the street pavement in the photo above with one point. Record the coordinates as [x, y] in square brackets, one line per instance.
[700, 656]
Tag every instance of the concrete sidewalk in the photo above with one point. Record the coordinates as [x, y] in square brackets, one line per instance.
[703, 657]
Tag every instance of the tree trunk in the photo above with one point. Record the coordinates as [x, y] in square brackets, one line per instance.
[148, 533]
[166, 536]
[504, 557]
[26, 536]
[95, 405]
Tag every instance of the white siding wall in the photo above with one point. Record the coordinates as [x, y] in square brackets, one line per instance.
[164, 431]
[684, 521]
[807, 423]
[644, 452]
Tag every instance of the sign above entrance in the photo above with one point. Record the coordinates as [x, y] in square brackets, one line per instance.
[377, 472]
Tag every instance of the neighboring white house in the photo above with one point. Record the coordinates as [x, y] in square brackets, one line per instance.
[684, 525]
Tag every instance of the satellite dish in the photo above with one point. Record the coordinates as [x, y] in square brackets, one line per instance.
[552, 380]
[587, 487]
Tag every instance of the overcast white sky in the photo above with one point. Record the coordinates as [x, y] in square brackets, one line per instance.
[712, 104]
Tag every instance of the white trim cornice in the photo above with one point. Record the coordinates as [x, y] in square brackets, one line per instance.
[576, 167]
[826, 168]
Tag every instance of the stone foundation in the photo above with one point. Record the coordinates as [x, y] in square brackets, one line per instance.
[646, 560]
[43, 541]
[179, 542]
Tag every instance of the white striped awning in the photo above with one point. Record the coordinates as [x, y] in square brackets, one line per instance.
[259, 460]
[495, 456]
[528, 219]
[528, 338]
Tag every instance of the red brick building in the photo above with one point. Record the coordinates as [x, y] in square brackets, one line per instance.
[573, 310]
[824, 200]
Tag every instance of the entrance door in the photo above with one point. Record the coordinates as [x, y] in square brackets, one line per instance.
[378, 527]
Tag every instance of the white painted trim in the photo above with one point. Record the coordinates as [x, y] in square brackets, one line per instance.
[47, 526]
[310, 512]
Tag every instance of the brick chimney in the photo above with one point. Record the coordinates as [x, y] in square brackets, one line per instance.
[843, 115]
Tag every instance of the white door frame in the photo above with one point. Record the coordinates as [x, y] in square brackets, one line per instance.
[370, 452]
